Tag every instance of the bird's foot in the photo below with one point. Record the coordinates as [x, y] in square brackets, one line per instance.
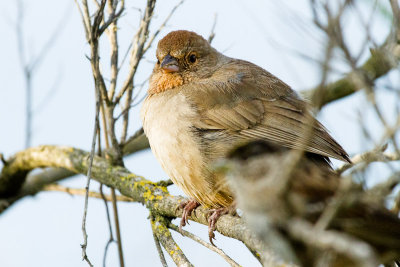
[213, 216]
[188, 207]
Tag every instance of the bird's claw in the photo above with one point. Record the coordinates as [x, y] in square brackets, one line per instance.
[188, 207]
[213, 216]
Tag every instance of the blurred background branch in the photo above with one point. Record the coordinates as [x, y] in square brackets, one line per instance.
[31, 64]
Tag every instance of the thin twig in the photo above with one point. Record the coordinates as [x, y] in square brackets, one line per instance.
[31, 65]
[396, 17]
[113, 39]
[160, 229]
[137, 51]
[86, 19]
[136, 56]
[205, 244]
[82, 192]
[89, 173]
[159, 250]
[27, 73]
[376, 155]
[306, 136]
[212, 33]
[132, 104]
[111, 238]
[151, 39]
[112, 18]
[127, 104]
[135, 135]
[94, 32]
[117, 228]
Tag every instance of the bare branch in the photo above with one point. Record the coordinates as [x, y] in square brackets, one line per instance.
[113, 39]
[117, 228]
[212, 33]
[376, 155]
[396, 17]
[379, 64]
[159, 249]
[126, 107]
[359, 251]
[151, 39]
[34, 184]
[89, 175]
[137, 51]
[112, 18]
[92, 36]
[137, 142]
[111, 238]
[160, 229]
[27, 73]
[204, 243]
[82, 192]
[155, 197]
[85, 18]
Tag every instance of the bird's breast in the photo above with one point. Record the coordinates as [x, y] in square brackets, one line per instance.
[167, 121]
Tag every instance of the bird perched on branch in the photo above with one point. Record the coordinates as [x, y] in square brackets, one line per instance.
[201, 104]
[289, 213]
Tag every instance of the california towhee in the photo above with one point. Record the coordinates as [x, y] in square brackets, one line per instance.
[275, 207]
[201, 104]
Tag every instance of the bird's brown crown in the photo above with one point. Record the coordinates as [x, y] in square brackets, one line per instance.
[177, 43]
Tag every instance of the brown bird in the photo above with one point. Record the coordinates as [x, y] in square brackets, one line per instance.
[201, 104]
[273, 207]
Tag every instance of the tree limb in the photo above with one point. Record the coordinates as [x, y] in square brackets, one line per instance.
[154, 196]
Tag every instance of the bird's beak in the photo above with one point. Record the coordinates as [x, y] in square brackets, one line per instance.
[169, 64]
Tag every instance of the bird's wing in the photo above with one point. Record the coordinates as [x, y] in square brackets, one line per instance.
[253, 104]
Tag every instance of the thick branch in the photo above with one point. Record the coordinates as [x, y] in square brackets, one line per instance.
[136, 143]
[155, 197]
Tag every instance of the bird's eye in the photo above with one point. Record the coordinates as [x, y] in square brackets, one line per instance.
[158, 62]
[192, 58]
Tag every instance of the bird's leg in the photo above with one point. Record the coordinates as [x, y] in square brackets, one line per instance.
[214, 215]
[188, 207]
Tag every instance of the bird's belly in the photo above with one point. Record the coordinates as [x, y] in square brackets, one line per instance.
[168, 128]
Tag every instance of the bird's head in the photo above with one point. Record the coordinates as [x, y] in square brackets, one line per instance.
[182, 57]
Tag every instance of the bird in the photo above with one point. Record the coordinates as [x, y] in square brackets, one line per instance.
[272, 204]
[200, 104]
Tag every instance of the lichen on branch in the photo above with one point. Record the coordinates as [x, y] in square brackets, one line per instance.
[153, 195]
